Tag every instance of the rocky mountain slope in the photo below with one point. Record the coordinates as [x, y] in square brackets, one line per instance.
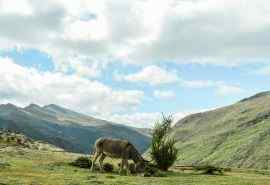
[235, 136]
[65, 128]
[11, 139]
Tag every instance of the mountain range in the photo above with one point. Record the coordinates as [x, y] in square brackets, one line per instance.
[65, 128]
[235, 136]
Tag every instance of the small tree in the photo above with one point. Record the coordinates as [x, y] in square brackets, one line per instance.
[163, 151]
[82, 162]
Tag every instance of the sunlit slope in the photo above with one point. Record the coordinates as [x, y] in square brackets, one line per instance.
[235, 136]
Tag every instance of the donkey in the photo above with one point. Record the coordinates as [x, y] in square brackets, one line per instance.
[116, 148]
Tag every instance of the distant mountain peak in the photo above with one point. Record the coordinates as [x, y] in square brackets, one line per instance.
[55, 107]
[32, 106]
[62, 110]
[9, 106]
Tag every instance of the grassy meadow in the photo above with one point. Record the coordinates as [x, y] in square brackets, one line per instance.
[21, 166]
[235, 136]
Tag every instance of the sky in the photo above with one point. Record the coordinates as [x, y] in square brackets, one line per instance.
[128, 61]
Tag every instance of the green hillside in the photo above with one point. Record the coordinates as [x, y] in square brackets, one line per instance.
[235, 136]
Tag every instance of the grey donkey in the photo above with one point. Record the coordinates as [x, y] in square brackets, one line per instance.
[117, 148]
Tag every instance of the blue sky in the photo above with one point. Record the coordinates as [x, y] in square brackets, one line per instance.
[105, 59]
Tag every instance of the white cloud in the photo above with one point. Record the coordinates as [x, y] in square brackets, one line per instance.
[225, 90]
[22, 7]
[221, 88]
[155, 75]
[143, 119]
[265, 71]
[132, 31]
[21, 85]
[200, 32]
[83, 66]
[81, 30]
[164, 95]
[152, 75]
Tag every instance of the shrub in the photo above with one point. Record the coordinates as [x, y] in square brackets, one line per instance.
[151, 169]
[107, 167]
[163, 151]
[209, 170]
[82, 162]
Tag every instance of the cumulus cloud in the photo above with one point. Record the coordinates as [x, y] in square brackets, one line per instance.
[152, 75]
[23, 85]
[201, 32]
[133, 32]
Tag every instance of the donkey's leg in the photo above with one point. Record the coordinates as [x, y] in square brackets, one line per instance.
[101, 159]
[96, 155]
[121, 166]
[127, 166]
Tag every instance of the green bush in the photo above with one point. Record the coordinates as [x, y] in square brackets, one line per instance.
[151, 169]
[209, 170]
[107, 167]
[163, 152]
[82, 162]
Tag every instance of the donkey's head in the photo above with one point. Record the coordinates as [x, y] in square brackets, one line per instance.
[141, 165]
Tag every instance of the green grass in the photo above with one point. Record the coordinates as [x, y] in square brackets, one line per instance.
[234, 136]
[47, 168]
